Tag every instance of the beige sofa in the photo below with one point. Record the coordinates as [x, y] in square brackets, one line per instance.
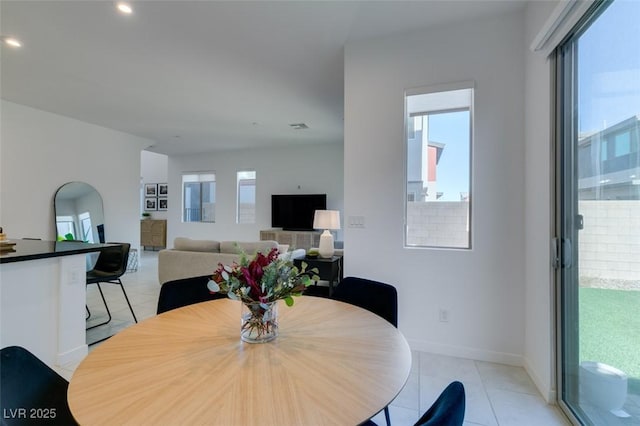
[192, 258]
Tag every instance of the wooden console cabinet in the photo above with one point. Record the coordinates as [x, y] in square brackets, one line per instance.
[295, 239]
[153, 233]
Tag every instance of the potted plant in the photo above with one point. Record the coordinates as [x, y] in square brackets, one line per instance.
[259, 283]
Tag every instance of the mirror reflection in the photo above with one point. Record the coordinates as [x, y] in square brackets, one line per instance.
[79, 213]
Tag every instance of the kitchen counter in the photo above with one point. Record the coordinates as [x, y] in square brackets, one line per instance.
[37, 249]
[43, 297]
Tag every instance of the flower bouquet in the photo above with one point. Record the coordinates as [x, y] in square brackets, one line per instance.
[259, 283]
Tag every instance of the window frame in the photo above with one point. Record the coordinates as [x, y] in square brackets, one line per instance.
[238, 185]
[69, 221]
[426, 90]
[86, 227]
[200, 176]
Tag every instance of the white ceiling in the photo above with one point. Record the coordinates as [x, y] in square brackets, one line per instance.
[197, 76]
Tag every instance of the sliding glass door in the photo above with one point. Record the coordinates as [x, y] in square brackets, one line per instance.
[598, 79]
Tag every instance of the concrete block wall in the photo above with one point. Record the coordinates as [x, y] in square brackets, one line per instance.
[609, 244]
[438, 224]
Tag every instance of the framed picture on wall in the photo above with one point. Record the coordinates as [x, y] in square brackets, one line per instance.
[150, 203]
[163, 189]
[162, 203]
[151, 190]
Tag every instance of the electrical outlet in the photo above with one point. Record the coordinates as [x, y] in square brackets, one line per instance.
[443, 315]
[74, 276]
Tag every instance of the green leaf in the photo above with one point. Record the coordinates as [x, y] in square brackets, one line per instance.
[288, 300]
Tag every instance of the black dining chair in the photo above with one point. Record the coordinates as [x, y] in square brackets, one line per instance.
[109, 268]
[186, 291]
[374, 296]
[448, 409]
[32, 392]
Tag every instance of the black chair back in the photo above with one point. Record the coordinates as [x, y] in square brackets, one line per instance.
[448, 409]
[374, 296]
[187, 291]
[29, 384]
[111, 263]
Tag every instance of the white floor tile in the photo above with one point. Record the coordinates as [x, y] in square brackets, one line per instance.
[506, 377]
[447, 367]
[399, 416]
[521, 409]
[409, 397]
[415, 362]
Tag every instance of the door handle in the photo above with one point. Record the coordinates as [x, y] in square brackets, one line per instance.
[566, 253]
[561, 253]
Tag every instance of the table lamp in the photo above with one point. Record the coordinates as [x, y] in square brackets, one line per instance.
[327, 220]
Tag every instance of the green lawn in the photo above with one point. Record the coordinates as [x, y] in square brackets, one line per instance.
[610, 329]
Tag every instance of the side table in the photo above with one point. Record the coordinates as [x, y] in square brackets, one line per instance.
[329, 269]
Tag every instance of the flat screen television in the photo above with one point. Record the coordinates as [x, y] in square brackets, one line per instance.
[295, 212]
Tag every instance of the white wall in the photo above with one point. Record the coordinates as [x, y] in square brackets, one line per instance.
[154, 168]
[40, 151]
[482, 288]
[539, 318]
[293, 170]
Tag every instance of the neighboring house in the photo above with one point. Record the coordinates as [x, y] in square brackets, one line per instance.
[422, 176]
[609, 162]
[609, 189]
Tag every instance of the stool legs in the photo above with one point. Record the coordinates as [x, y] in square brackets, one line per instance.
[106, 307]
[118, 282]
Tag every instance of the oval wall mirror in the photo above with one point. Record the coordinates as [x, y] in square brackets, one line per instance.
[79, 213]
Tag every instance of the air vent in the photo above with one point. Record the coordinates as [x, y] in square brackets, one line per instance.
[299, 126]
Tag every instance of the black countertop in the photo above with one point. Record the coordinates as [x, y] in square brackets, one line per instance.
[38, 249]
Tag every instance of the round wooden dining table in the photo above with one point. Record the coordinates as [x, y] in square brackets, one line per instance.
[332, 364]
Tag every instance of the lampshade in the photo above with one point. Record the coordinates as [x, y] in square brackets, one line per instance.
[326, 219]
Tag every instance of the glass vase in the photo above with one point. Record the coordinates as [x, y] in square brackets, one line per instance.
[259, 322]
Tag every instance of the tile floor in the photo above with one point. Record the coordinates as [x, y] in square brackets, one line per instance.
[496, 394]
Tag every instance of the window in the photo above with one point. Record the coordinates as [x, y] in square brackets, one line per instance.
[622, 144]
[85, 224]
[65, 225]
[246, 209]
[199, 197]
[598, 115]
[438, 168]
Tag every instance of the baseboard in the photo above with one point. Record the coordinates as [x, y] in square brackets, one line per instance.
[72, 357]
[548, 394]
[466, 352]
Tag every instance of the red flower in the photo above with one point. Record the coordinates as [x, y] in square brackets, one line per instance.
[244, 280]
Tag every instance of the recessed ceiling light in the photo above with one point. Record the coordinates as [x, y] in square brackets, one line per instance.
[124, 8]
[13, 42]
